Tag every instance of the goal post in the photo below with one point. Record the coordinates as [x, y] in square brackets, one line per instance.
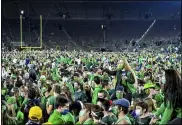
[21, 35]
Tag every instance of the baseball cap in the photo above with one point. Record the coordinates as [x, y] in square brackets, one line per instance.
[35, 113]
[119, 88]
[122, 102]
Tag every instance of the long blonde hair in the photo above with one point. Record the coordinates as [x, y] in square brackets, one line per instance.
[151, 105]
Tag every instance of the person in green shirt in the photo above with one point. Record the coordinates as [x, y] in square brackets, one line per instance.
[85, 114]
[69, 118]
[8, 112]
[148, 78]
[158, 96]
[45, 96]
[15, 93]
[128, 81]
[52, 99]
[76, 77]
[108, 117]
[11, 101]
[119, 92]
[122, 106]
[149, 88]
[97, 114]
[22, 95]
[75, 108]
[141, 111]
[20, 117]
[61, 108]
[79, 94]
[151, 105]
[106, 86]
[171, 108]
[97, 88]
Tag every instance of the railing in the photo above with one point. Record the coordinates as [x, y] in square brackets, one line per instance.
[18, 43]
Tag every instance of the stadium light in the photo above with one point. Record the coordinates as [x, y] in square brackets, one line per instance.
[22, 12]
[64, 16]
[103, 27]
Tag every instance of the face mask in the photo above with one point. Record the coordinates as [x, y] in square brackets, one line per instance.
[65, 112]
[82, 112]
[138, 112]
[163, 80]
[119, 95]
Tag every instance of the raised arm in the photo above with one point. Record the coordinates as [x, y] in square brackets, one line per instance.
[128, 68]
[113, 73]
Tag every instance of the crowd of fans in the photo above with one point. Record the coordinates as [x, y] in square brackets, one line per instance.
[56, 87]
[61, 87]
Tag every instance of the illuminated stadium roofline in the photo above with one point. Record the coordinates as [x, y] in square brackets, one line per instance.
[78, 1]
[114, 19]
[88, 1]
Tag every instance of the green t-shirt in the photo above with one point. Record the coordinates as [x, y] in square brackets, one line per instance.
[108, 120]
[123, 118]
[55, 74]
[3, 91]
[80, 96]
[95, 94]
[44, 102]
[166, 113]
[114, 118]
[129, 86]
[20, 100]
[68, 118]
[141, 75]
[20, 117]
[25, 102]
[56, 118]
[159, 99]
[91, 77]
[88, 122]
[70, 87]
[51, 101]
